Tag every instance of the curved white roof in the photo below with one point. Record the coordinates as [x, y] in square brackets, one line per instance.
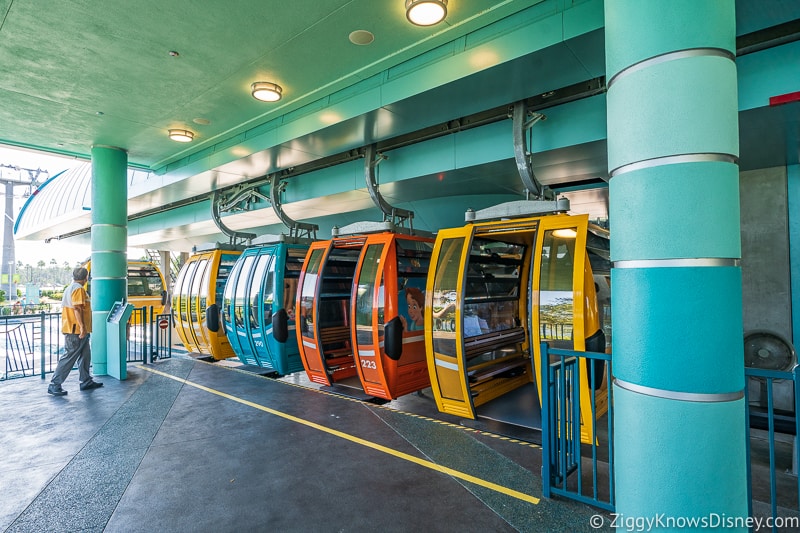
[60, 203]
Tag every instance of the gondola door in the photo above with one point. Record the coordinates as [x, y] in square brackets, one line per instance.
[368, 311]
[181, 305]
[446, 364]
[285, 299]
[324, 296]
[563, 306]
[256, 311]
[221, 268]
[388, 311]
[308, 287]
[236, 335]
[197, 311]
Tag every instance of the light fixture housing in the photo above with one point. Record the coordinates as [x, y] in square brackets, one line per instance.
[266, 91]
[426, 12]
[565, 233]
[181, 136]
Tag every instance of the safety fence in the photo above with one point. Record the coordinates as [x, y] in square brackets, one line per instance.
[31, 344]
[582, 472]
[585, 472]
[150, 336]
[773, 409]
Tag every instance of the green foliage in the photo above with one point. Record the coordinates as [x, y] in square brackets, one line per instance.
[55, 295]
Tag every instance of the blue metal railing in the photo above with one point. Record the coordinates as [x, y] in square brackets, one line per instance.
[30, 344]
[563, 469]
[162, 326]
[568, 467]
[139, 335]
[147, 339]
[770, 419]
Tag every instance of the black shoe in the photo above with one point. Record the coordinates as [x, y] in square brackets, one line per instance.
[56, 390]
[91, 385]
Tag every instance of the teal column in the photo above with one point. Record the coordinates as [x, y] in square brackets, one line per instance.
[109, 243]
[678, 366]
[793, 186]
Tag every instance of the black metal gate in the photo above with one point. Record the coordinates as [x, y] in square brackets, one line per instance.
[149, 336]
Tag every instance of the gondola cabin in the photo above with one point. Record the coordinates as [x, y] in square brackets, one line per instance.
[495, 291]
[259, 305]
[197, 298]
[360, 300]
[146, 288]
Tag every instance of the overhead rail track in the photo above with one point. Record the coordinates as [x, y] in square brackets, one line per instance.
[533, 104]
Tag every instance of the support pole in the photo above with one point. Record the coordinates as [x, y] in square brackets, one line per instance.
[109, 245]
[677, 298]
[8, 243]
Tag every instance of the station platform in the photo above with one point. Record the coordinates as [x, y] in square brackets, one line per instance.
[187, 445]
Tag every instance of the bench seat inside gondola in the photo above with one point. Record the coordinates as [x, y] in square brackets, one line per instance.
[503, 350]
[335, 342]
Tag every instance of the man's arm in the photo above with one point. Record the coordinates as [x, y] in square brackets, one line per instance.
[77, 311]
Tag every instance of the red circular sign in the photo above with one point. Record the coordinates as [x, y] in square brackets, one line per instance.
[163, 323]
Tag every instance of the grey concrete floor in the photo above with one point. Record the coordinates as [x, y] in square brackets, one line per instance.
[183, 445]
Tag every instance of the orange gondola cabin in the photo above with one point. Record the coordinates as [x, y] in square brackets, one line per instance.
[361, 300]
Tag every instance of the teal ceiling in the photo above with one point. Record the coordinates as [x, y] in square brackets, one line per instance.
[83, 73]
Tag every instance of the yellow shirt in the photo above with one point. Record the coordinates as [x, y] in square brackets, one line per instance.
[75, 294]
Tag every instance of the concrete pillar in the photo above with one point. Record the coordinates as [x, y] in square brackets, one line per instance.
[676, 284]
[109, 243]
[9, 257]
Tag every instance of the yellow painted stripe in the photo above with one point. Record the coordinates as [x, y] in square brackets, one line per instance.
[422, 462]
[216, 364]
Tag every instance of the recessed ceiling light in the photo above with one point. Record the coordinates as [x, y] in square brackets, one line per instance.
[201, 121]
[174, 53]
[181, 136]
[266, 91]
[361, 37]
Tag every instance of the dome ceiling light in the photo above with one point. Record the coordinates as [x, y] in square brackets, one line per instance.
[266, 91]
[181, 136]
[426, 12]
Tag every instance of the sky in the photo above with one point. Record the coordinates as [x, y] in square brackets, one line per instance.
[31, 252]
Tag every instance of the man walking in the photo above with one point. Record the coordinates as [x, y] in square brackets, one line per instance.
[76, 324]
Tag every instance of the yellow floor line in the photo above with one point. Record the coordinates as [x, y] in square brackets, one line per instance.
[422, 462]
[482, 432]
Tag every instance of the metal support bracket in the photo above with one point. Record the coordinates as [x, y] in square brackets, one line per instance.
[395, 215]
[296, 229]
[523, 121]
[220, 204]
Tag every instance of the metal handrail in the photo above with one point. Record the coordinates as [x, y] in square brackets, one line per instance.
[561, 427]
[769, 377]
